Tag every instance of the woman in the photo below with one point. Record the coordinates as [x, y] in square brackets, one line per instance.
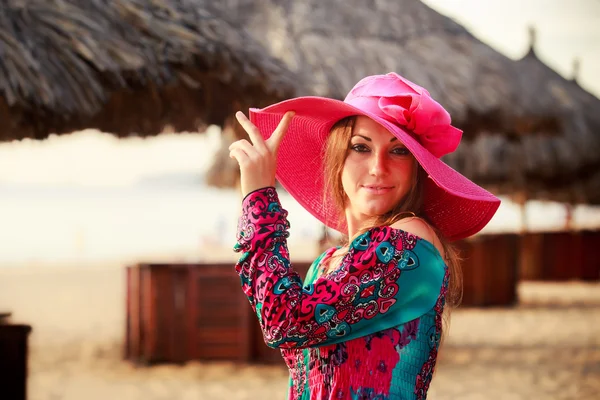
[367, 321]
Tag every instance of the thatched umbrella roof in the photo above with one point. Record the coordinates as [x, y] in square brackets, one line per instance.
[526, 129]
[127, 67]
[549, 145]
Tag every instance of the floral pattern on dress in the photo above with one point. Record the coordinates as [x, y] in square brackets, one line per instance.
[367, 330]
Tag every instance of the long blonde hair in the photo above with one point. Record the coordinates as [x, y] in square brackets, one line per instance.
[336, 151]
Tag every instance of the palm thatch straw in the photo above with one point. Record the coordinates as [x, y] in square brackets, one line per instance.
[527, 130]
[127, 67]
[549, 147]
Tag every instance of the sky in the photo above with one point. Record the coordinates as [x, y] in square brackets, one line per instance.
[566, 29]
[92, 158]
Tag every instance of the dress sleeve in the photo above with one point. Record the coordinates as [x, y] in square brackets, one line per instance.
[388, 277]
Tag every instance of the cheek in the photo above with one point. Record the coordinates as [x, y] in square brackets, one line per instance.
[406, 172]
[350, 174]
[405, 177]
[347, 185]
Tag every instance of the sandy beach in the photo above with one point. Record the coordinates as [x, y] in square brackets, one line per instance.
[548, 347]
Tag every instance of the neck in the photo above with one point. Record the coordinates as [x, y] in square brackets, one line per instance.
[355, 223]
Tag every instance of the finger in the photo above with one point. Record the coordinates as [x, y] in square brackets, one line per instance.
[275, 140]
[245, 146]
[251, 130]
[240, 156]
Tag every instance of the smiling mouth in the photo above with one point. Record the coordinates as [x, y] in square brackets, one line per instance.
[377, 188]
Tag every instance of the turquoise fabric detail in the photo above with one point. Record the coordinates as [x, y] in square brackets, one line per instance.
[408, 261]
[361, 242]
[413, 356]
[258, 312]
[340, 331]
[282, 285]
[274, 207]
[306, 391]
[311, 274]
[419, 283]
[385, 252]
[244, 255]
[324, 313]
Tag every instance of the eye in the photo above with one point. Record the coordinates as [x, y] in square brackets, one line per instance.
[401, 151]
[360, 148]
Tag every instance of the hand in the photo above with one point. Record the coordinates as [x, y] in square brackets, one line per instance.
[258, 161]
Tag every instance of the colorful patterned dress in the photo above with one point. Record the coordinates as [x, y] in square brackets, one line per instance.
[368, 330]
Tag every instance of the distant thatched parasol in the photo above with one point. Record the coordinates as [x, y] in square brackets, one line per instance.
[526, 129]
[548, 146]
[127, 67]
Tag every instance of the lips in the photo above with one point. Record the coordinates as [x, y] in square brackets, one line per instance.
[377, 189]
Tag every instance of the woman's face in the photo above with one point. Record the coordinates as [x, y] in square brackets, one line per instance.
[378, 171]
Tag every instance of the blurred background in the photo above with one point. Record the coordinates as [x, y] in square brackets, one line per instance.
[118, 203]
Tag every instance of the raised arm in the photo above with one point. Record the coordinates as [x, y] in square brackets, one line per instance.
[388, 277]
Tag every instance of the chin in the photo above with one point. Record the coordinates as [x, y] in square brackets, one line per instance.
[376, 211]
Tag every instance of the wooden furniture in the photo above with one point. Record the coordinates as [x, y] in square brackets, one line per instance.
[181, 312]
[4, 316]
[490, 270]
[13, 359]
[560, 256]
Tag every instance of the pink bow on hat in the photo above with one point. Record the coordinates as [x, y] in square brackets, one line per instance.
[407, 104]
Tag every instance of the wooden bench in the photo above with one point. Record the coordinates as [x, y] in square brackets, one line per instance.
[4, 316]
[13, 360]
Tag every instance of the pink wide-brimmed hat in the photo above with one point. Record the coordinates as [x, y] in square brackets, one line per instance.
[456, 206]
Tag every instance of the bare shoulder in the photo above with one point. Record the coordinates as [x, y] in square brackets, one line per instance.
[421, 228]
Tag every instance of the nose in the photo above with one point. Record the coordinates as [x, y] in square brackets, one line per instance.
[378, 165]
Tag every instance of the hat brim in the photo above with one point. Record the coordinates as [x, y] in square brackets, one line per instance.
[455, 205]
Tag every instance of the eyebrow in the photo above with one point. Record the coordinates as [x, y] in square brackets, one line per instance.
[368, 139]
